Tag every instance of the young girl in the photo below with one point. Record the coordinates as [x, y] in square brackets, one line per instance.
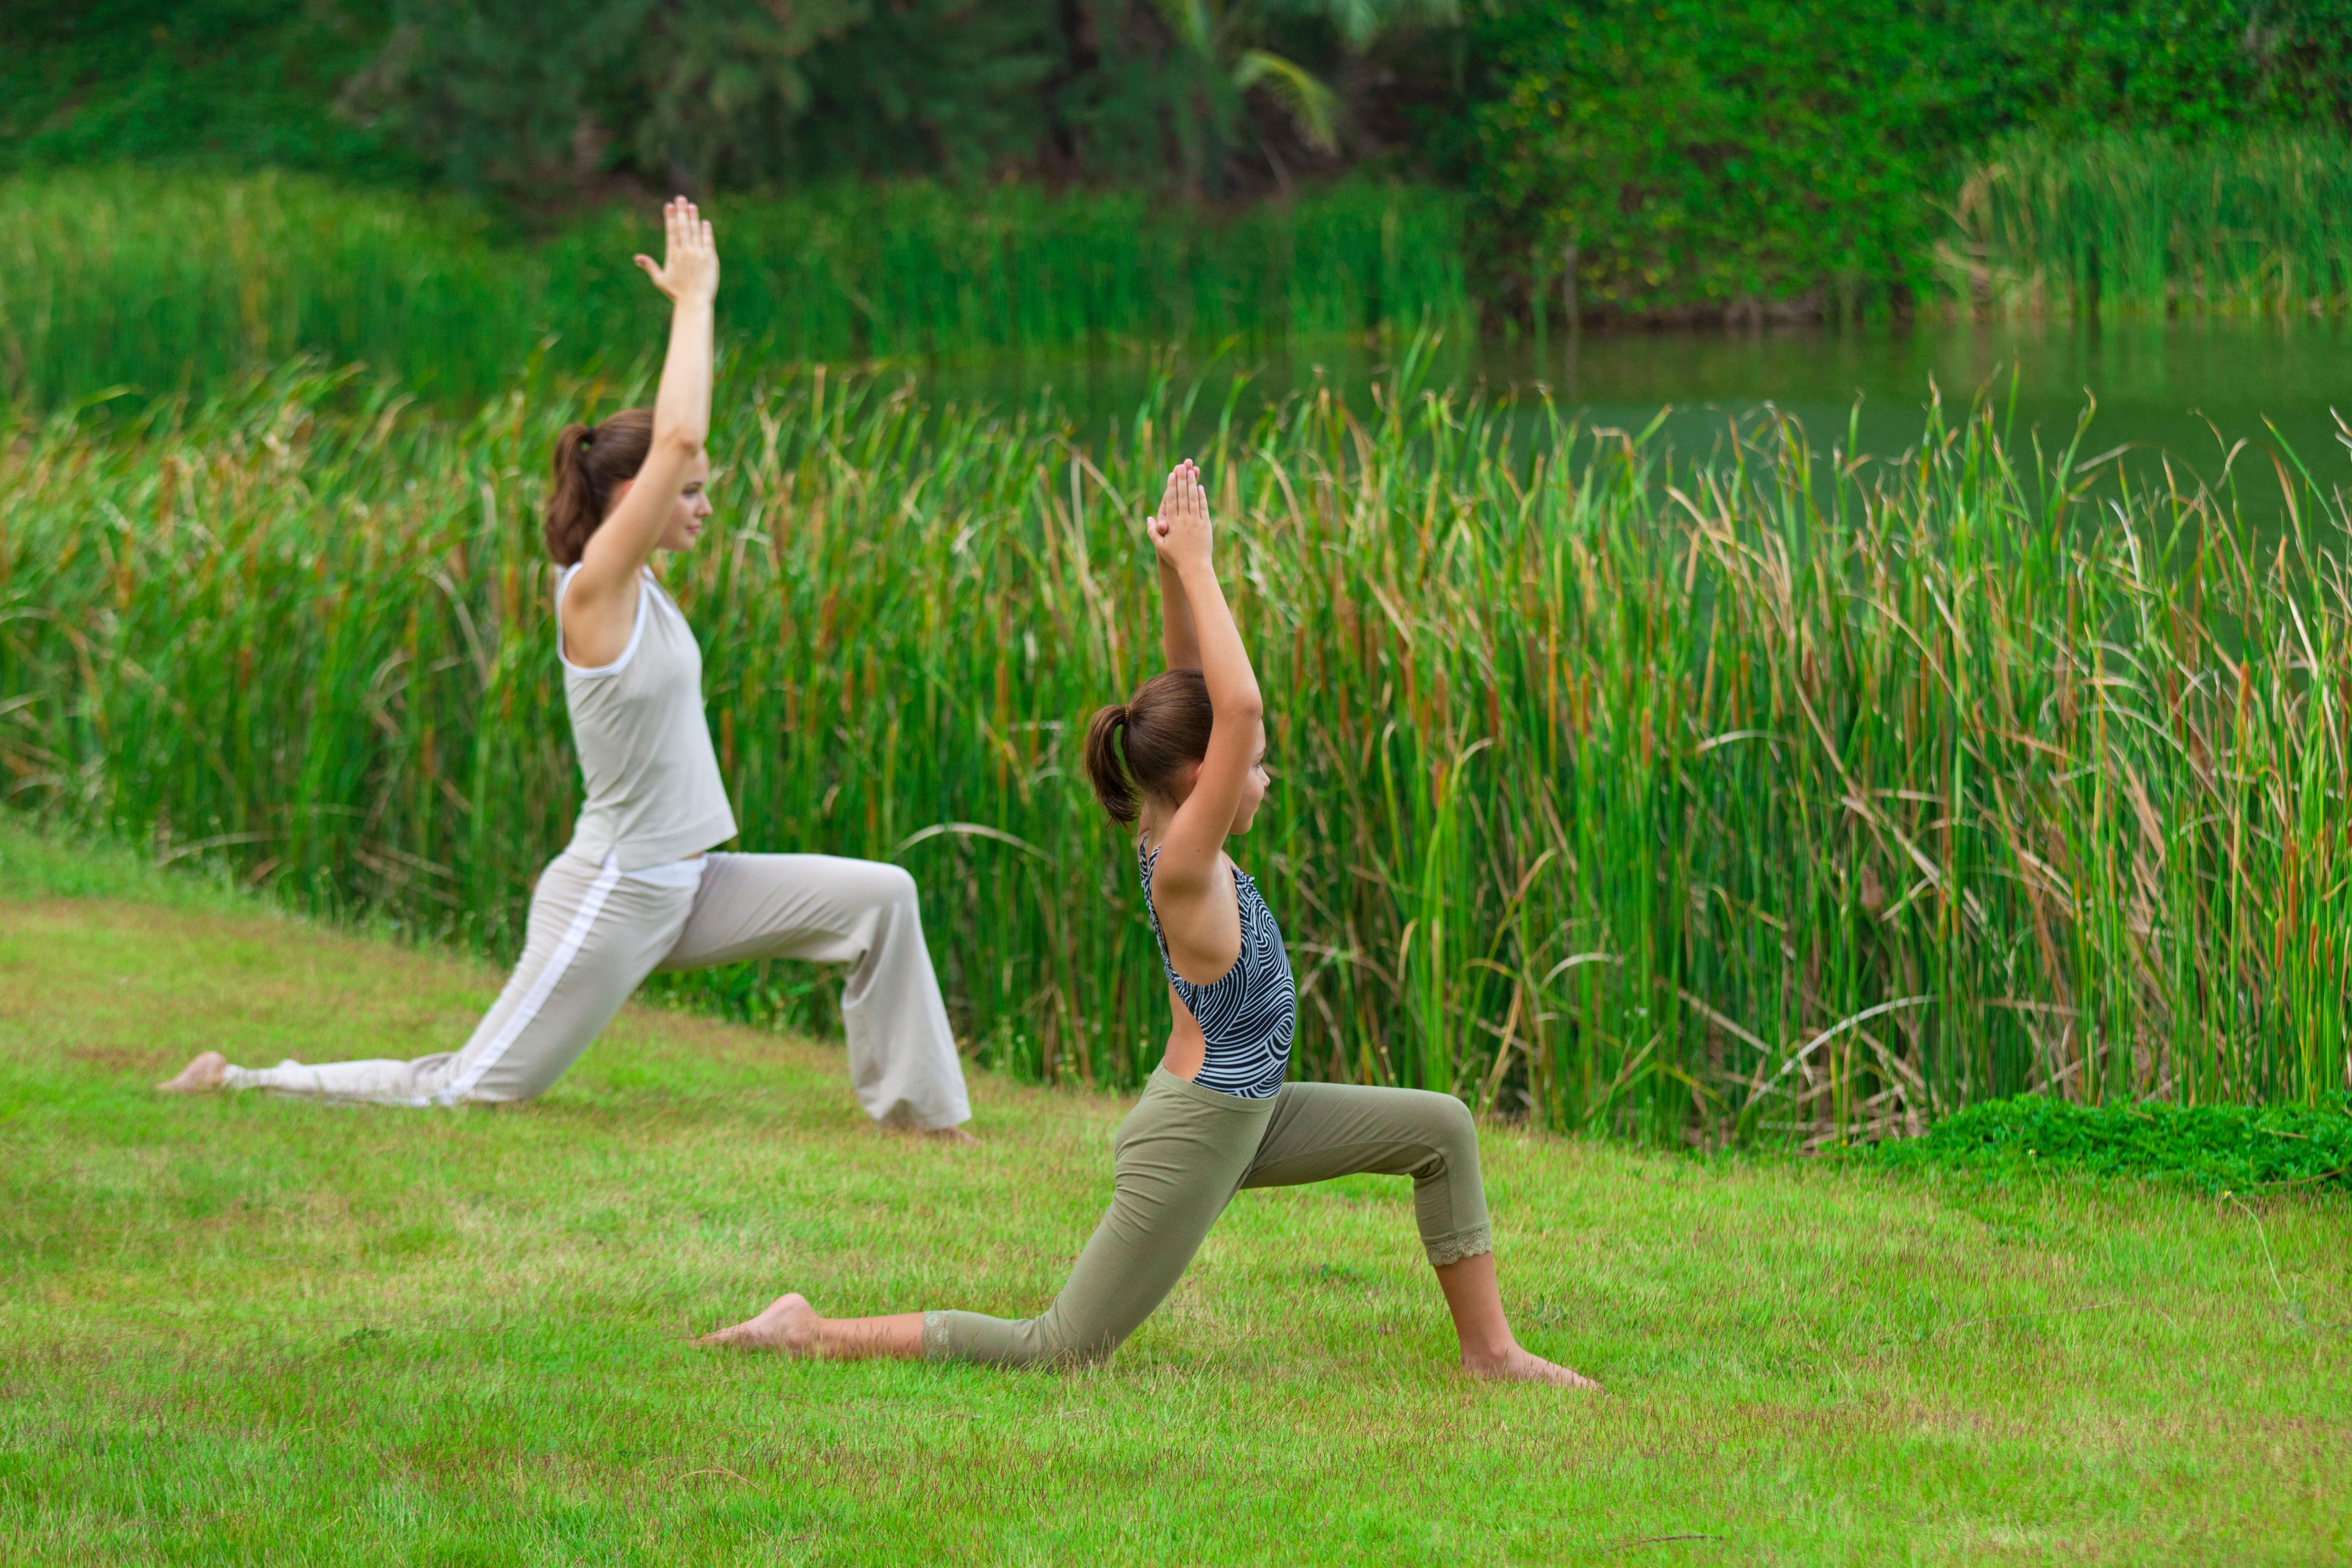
[1216, 1116]
[637, 889]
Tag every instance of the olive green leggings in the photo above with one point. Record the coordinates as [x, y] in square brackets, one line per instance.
[1181, 1155]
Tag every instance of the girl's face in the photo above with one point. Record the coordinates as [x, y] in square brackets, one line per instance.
[687, 517]
[1252, 792]
[1253, 787]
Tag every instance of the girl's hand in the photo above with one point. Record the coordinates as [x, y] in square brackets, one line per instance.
[1180, 533]
[690, 266]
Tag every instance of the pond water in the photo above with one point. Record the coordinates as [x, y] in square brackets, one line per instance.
[2185, 388]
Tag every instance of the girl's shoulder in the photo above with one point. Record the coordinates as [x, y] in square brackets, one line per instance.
[1146, 855]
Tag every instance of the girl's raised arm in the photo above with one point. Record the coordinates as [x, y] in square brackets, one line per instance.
[1190, 850]
[602, 593]
[1179, 642]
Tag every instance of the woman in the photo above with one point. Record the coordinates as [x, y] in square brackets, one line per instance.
[1216, 1116]
[636, 890]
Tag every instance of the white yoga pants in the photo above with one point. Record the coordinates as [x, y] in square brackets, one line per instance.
[596, 931]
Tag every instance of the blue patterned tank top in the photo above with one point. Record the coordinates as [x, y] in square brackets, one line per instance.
[1248, 1016]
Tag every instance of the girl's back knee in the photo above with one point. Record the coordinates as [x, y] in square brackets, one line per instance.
[1450, 1127]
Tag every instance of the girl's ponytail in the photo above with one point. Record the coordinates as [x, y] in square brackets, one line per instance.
[1104, 770]
[1142, 746]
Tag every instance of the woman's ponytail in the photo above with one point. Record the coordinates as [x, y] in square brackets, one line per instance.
[591, 462]
[1104, 770]
[568, 498]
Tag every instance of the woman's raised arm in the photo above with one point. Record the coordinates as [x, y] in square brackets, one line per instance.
[1196, 839]
[602, 594]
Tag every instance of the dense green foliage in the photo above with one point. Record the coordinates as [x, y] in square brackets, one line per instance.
[530, 99]
[545, 106]
[2215, 1148]
[1782, 804]
[1801, 157]
[2086, 67]
[258, 1330]
[1705, 153]
[1798, 152]
[167, 283]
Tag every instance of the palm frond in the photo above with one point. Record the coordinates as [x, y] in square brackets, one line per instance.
[1314, 107]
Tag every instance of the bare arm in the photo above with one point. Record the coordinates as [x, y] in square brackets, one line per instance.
[600, 604]
[1179, 642]
[1189, 870]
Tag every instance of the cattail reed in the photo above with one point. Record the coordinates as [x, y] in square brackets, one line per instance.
[1773, 796]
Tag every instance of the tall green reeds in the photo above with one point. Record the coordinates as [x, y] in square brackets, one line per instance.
[1791, 796]
[2242, 222]
[131, 280]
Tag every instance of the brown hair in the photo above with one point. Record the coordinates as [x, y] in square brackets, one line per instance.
[591, 462]
[1154, 733]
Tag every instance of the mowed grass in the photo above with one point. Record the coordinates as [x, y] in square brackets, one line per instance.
[254, 1330]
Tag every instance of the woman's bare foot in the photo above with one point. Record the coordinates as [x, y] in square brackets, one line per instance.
[199, 1076]
[954, 1135]
[790, 1324]
[1516, 1365]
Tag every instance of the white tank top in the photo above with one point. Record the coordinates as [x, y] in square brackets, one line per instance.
[653, 790]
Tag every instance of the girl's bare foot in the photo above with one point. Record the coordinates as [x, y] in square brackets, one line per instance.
[199, 1076]
[1516, 1365]
[790, 1324]
[954, 1135]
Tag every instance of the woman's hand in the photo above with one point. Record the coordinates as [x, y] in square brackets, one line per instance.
[1180, 533]
[689, 265]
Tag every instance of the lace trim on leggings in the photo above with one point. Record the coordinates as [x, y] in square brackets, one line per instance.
[1452, 1249]
[935, 1337]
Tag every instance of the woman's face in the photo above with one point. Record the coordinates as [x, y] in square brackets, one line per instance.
[693, 507]
[686, 519]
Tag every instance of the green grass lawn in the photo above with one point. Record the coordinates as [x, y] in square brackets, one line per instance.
[260, 1330]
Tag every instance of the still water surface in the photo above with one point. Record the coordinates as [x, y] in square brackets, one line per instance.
[2189, 389]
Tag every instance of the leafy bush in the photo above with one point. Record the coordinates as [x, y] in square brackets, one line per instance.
[527, 99]
[1699, 152]
[554, 106]
[1707, 157]
[2213, 1147]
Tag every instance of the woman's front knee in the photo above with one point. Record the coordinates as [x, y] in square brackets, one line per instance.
[896, 886]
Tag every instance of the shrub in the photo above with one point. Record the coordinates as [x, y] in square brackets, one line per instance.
[2214, 1147]
[1799, 152]
[1699, 155]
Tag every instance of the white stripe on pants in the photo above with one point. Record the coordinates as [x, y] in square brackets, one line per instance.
[595, 932]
